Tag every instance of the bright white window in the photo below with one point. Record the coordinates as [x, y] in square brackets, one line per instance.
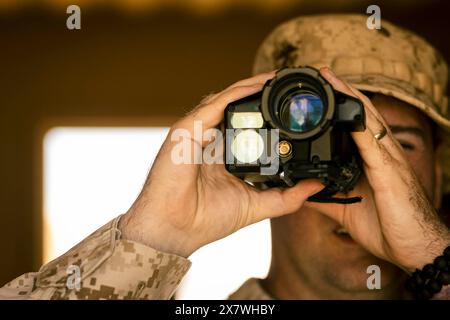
[91, 175]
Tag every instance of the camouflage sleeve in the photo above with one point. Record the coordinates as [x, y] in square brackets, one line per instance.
[103, 266]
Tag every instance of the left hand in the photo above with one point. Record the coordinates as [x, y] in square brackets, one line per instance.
[397, 222]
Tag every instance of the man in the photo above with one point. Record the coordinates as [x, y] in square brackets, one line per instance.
[320, 251]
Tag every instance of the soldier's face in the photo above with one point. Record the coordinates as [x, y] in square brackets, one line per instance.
[307, 243]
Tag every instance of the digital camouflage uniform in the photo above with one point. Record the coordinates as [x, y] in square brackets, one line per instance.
[390, 61]
[110, 268]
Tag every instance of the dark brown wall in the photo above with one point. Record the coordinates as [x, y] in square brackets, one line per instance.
[118, 67]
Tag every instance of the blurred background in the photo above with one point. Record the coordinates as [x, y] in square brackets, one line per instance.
[82, 113]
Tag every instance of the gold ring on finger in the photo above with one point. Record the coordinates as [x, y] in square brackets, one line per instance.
[381, 134]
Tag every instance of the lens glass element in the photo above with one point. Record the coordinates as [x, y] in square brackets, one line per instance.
[247, 146]
[302, 112]
[246, 120]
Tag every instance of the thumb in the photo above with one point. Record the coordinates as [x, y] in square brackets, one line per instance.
[276, 202]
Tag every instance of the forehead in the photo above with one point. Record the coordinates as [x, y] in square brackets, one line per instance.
[399, 113]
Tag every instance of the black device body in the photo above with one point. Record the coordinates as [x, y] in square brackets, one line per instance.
[314, 123]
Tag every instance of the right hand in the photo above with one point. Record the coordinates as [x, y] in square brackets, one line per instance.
[183, 207]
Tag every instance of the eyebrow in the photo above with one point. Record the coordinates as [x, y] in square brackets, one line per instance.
[411, 130]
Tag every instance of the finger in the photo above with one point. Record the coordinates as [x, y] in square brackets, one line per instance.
[210, 115]
[373, 151]
[389, 141]
[261, 78]
[205, 100]
[368, 104]
[276, 202]
[335, 82]
[343, 87]
[374, 121]
[381, 166]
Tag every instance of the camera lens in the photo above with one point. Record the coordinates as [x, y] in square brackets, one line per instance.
[299, 103]
[301, 112]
